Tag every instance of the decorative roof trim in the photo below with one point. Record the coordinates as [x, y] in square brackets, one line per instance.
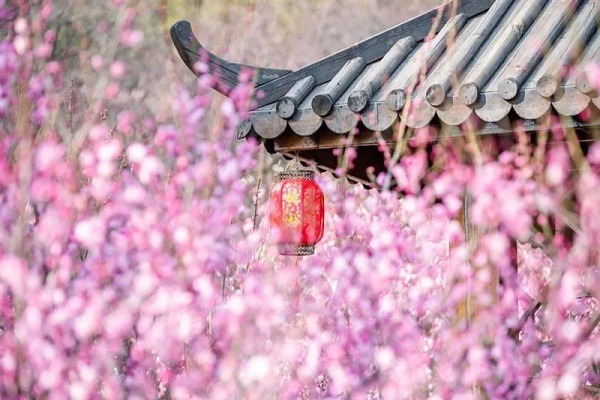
[378, 117]
[227, 73]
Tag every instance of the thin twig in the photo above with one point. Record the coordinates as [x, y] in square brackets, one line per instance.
[256, 204]
[591, 389]
[404, 133]
[223, 288]
[70, 110]
[588, 332]
[530, 312]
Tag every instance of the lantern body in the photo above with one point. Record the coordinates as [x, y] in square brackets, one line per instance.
[297, 212]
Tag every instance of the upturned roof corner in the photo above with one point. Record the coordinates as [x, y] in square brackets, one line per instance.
[227, 73]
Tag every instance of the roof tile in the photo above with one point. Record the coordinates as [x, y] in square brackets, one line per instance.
[488, 59]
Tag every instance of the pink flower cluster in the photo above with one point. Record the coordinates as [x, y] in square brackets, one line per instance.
[8, 65]
[139, 268]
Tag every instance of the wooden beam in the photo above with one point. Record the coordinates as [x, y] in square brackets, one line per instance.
[566, 50]
[535, 46]
[426, 56]
[372, 82]
[323, 102]
[286, 106]
[592, 55]
[501, 45]
[439, 82]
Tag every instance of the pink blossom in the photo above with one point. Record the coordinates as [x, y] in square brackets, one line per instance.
[111, 91]
[568, 384]
[53, 68]
[21, 26]
[46, 10]
[594, 154]
[125, 121]
[117, 69]
[97, 62]
[43, 50]
[150, 168]
[13, 273]
[497, 245]
[48, 155]
[98, 132]
[592, 72]
[90, 232]
[136, 152]
[21, 44]
[109, 151]
[137, 260]
[131, 38]
[256, 370]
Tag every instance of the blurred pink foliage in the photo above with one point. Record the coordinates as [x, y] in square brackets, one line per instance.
[131, 268]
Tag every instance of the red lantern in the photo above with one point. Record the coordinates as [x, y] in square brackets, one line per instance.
[297, 211]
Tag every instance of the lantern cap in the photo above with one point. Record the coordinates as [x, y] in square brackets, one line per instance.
[296, 174]
[289, 249]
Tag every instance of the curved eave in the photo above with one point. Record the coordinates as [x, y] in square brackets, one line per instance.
[226, 73]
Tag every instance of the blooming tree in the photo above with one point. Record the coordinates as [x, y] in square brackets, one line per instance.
[136, 260]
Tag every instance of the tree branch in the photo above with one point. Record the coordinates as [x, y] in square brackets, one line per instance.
[530, 312]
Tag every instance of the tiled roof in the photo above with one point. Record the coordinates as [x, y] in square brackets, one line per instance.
[488, 59]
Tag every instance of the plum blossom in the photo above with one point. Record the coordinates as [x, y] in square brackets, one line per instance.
[137, 261]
